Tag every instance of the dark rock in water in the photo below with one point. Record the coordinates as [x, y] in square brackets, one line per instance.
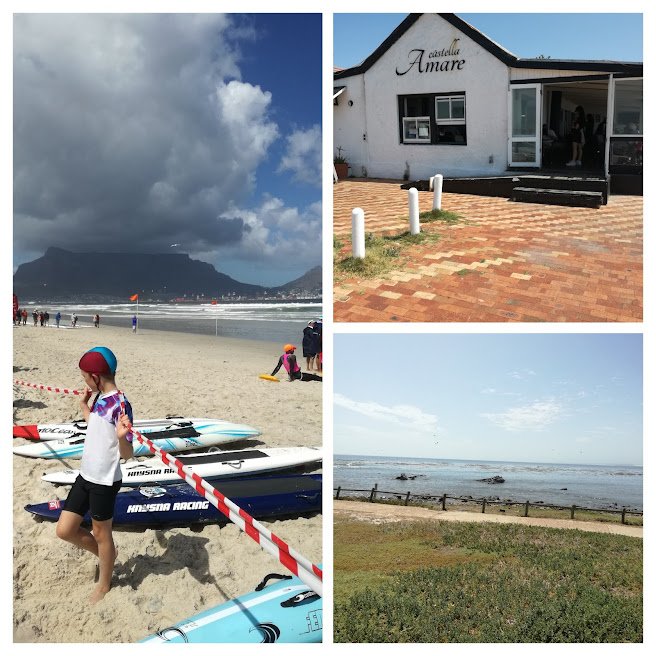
[563, 488]
[492, 480]
[412, 478]
[402, 477]
[502, 510]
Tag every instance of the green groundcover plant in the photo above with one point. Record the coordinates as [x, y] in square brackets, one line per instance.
[439, 582]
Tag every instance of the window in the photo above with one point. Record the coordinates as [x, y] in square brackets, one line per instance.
[450, 119]
[416, 129]
[436, 118]
[627, 118]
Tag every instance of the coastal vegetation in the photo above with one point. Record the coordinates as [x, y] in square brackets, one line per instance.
[465, 582]
[514, 509]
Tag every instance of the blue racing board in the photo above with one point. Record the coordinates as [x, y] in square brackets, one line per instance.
[286, 611]
[179, 504]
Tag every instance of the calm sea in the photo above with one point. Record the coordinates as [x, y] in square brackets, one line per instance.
[269, 322]
[592, 486]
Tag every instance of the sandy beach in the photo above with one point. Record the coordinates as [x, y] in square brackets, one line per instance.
[161, 576]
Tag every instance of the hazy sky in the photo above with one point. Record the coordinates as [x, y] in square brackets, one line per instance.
[133, 132]
[568, 398]
[564, 36]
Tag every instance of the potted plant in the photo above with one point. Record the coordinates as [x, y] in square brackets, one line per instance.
[341, 165]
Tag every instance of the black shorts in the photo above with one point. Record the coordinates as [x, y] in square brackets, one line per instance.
[99, 499]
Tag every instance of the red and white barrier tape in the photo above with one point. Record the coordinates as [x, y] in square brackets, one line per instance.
[297, 564]
[48, 388]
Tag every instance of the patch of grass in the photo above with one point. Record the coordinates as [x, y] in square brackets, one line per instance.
[466, 582]
[439, 215]
[382, 254]
[338, 244]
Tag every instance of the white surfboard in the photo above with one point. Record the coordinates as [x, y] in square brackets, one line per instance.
[174, 438]
[210, 466]
[44, 432]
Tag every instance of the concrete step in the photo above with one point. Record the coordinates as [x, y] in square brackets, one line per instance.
[570, 197]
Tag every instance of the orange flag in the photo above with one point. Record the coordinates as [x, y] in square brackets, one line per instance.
[134, 298]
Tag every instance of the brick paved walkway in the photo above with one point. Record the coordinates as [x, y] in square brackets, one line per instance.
[503, 261]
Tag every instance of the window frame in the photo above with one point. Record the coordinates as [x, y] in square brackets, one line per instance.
[451, 120]
[433, 122]
[416, 119]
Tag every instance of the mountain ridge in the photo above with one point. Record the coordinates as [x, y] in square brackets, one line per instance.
[60, 274]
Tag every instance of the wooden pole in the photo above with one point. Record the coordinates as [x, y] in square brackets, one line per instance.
[571, 515]
[526, 509]
[373, 494]
[483, 506]
[623, 515]
[338, 491]
[444, 501]
[407, 498]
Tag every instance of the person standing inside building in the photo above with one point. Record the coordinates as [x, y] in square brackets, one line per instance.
[577, 137]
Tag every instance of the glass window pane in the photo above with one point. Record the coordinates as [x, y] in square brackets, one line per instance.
[458, 108]
[523, 151]
[627, 115]
[423, 128]
[443, 109]
[452, 134]
[523, 113]
[409, 129]
[626, 152]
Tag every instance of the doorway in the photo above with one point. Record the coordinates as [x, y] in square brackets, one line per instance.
[559, 103]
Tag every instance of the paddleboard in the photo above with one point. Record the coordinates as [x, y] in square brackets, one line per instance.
[224, 464]
[191, 434]
[45, 432]
[285, 611]
[267, 377]
[180, 505]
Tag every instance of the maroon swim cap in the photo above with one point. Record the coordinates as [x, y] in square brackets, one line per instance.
[94, 363]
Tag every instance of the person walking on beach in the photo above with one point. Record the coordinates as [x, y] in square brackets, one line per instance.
[24, 315]
[96, 320]
[58, 318]
[309, 344]
[134, 323]
[318, 360]
[46, 317]
[288, 360]
[35, 316]
[108, 439]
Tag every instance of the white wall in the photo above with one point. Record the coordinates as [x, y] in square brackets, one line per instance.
[349, 123]
[482, 77]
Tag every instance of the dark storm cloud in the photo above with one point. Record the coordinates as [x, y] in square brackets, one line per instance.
[132, 133]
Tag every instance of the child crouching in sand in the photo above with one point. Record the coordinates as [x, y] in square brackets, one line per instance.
[108, 439]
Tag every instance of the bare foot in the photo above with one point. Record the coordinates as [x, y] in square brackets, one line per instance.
[98, 594]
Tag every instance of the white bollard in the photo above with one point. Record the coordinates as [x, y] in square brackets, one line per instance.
[413, 203]
[437, 191]
[357, 232]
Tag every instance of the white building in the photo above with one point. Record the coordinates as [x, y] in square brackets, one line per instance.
[438, 96]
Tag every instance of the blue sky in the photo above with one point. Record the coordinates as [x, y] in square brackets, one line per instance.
[564, 36]
[564, 398]
[194, 132]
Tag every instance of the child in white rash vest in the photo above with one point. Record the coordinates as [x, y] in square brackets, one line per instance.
[108, 439]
